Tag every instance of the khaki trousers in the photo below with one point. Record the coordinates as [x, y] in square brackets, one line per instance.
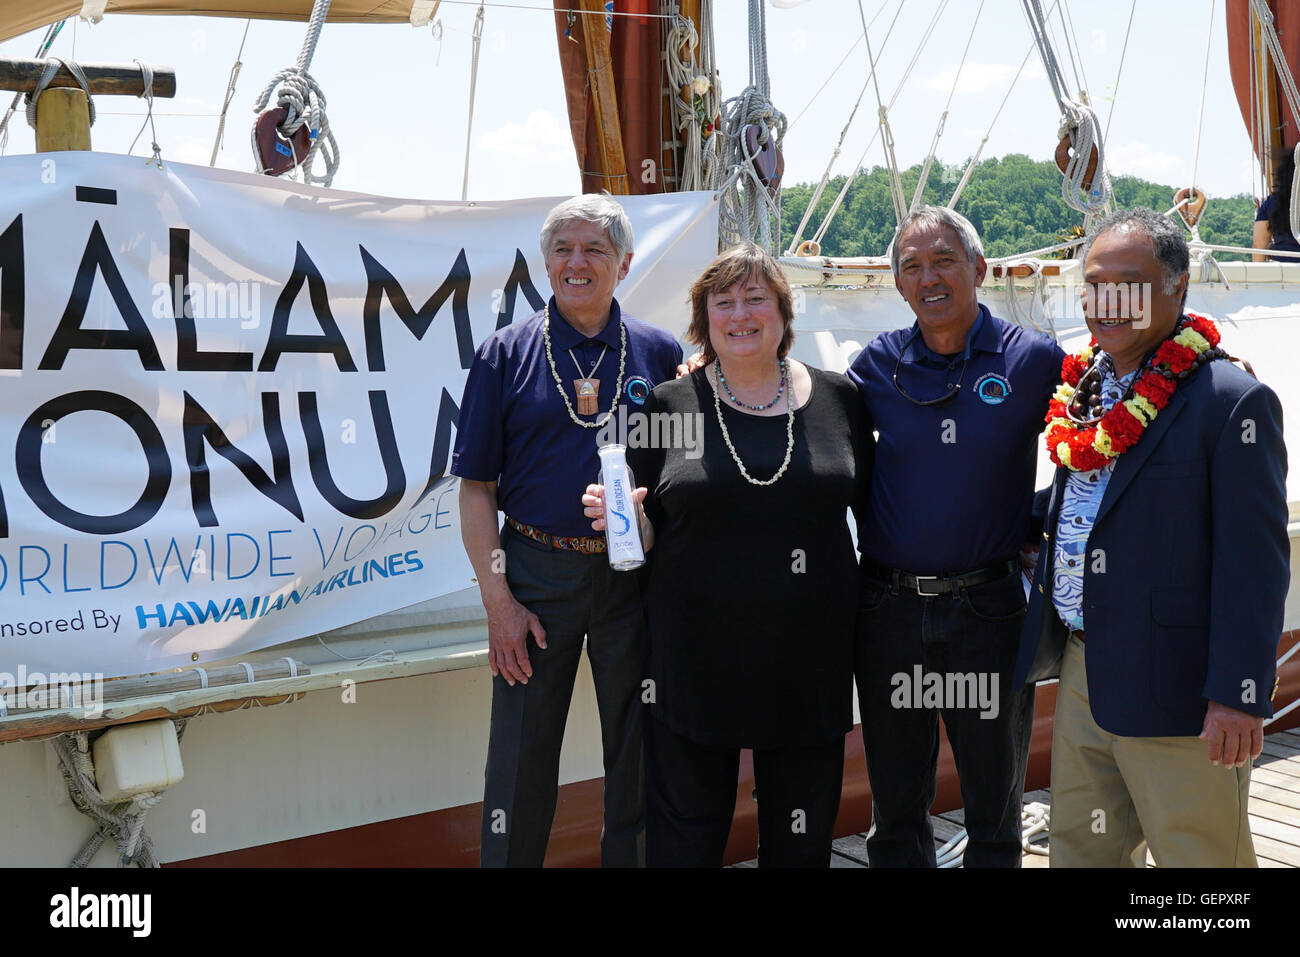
[1112, 796]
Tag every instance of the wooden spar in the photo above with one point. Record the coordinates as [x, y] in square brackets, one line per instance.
[604, 100]
[126, 79]
[63, 112]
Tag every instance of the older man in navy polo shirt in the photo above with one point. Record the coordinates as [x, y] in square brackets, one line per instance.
[958, 400]
[536, 396]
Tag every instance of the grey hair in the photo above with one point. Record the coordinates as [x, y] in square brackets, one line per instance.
[595, 208]
[938, 216]
[1166, 238]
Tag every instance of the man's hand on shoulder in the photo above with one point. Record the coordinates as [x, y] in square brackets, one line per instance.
[1234, 737]
[696, 361]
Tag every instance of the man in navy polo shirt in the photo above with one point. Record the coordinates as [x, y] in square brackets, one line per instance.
[536, 396]
[958, 400]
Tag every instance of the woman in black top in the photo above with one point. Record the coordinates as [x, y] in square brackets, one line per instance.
[1273, 218]
[752, 582]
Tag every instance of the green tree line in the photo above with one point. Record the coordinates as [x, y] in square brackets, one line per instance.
[1015, 203]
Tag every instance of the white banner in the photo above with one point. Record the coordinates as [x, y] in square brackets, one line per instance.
[230, 401]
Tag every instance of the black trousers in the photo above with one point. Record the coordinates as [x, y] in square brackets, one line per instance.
[573, 595]
[902, 636]
[691, 798]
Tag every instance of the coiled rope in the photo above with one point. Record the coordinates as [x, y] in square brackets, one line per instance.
[302, 96]
[701, 157]
[747, 210]
[1078, 121]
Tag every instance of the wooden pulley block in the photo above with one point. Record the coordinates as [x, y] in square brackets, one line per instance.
[1190, 212]
[275, 154]
[768, 162]
[1063, 161]
[807, 248]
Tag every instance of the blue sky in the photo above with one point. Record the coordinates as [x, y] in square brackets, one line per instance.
[398, 96]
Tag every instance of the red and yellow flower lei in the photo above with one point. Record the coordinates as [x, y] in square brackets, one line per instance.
[1082, 448]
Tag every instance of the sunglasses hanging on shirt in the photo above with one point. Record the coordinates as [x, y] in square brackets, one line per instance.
[953, 389]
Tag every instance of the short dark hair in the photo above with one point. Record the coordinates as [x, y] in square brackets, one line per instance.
[736, 265]
[1166, 237]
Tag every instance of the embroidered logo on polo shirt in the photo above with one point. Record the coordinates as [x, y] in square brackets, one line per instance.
[638, 388]
[993, 389]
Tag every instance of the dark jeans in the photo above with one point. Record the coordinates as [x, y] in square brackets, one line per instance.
[573, 595]
[975, 634]
[691, 799]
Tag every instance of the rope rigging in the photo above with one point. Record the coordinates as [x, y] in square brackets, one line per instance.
[943, 117]
[1274, 46]
[753, 129]
[839, 199]
[47, 41]
[477, 40]
[230, 94]
[1085, 185]
[694, 100]
[835, 153]
[123, 821]
[301, 98]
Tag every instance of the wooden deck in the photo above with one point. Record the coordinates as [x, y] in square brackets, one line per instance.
[1274, 813]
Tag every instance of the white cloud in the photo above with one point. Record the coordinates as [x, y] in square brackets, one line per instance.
[975, 77]
[542, 135]
[1139, 158]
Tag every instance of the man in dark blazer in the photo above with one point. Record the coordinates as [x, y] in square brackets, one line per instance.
[1158, 596]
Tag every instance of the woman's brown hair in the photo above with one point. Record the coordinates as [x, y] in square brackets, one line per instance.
[739, 264]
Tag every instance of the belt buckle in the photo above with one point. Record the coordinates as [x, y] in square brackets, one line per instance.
[927, 578]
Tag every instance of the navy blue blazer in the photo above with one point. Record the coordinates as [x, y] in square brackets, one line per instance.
[1187, 565]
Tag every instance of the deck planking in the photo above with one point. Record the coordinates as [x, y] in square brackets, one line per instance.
[1274, 814]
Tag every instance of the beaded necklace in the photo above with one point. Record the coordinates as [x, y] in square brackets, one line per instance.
[618, 385]
[789, 428]
[722, 376]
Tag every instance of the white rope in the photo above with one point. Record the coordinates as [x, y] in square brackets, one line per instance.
[303, 98]
[1265, 17]
[689, 68]
[51, 68]
[1078, 122]
[1019, 314]
[747, 211]
[887, 134]
[147, 73]
[835, 154]
[839, 199]
[1114, 93]
[122, 821]
[473, 83]
[1035, 819]
[1200, 111]
[230, 95]
[943, 118]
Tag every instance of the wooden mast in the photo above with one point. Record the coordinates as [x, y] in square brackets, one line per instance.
[604, 100]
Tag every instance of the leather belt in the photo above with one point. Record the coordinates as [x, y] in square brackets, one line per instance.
[586, 544]
[933, 586]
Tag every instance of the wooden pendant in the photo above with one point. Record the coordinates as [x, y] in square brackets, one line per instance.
[588, 391]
